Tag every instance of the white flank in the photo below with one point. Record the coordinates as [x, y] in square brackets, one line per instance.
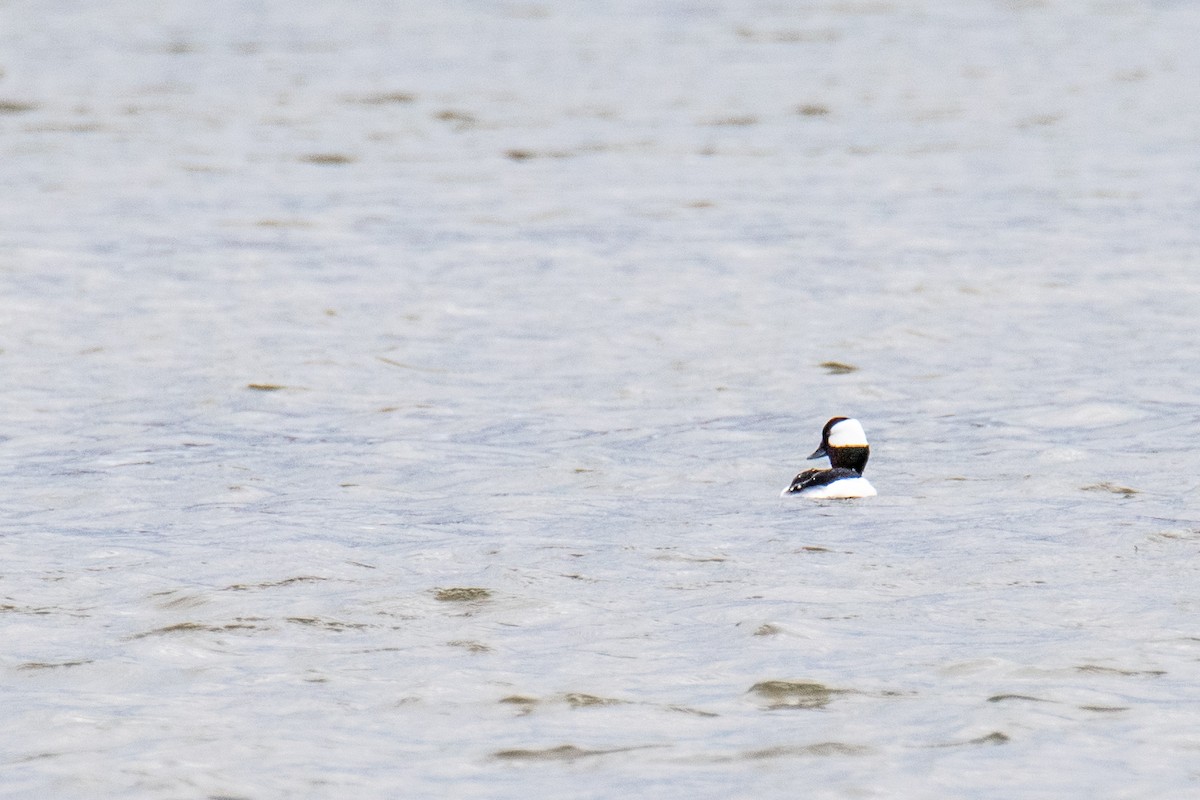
[847, 433]
[838, 490]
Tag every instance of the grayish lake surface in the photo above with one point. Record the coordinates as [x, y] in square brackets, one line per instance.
[396, 398]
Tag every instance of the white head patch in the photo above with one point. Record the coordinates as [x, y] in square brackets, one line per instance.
[847, 433]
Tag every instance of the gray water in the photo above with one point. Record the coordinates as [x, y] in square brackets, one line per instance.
[396, 398]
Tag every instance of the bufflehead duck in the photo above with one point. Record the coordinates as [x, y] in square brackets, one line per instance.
[844, 441]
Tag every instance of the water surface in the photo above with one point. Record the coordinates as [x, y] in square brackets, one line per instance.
[397, 397]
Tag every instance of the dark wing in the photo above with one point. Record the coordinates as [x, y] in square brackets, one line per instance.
[819, 477]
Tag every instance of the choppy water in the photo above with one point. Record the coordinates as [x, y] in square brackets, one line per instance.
[396, 398]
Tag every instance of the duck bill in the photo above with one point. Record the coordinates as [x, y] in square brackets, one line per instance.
[820, 452]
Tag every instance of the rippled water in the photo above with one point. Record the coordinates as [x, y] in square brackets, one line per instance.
[396, 399]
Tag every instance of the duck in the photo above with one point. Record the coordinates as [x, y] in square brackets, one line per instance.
[845, 443]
